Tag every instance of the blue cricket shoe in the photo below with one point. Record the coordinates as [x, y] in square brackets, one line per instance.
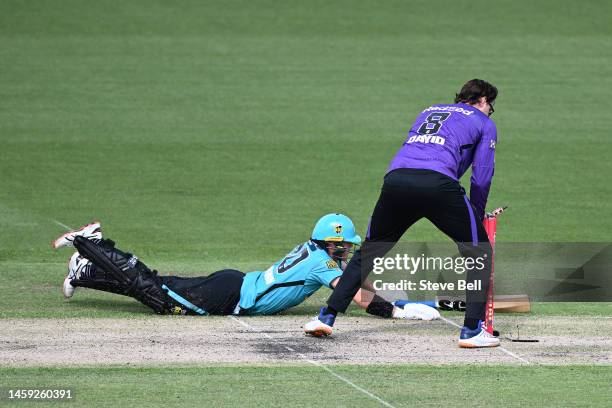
[477, 338]
[321, 325]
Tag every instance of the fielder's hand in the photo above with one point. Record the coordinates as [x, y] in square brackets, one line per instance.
[495, 212]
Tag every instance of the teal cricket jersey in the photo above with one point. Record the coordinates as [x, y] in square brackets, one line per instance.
[289, 281]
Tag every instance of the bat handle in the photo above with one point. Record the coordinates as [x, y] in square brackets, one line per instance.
[496, 212]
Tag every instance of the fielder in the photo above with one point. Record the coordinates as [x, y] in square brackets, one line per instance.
[423, 181]
[98, 264]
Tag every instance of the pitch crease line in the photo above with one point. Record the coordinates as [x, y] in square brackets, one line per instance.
[508, 352]
[62, 225]
[321, 365]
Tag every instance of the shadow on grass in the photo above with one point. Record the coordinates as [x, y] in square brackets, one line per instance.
[111, 305]
[302, 310]
[313, 310]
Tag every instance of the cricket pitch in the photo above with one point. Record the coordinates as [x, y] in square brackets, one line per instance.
[156, 340]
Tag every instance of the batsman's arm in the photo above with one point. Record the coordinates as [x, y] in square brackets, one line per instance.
[364, 297]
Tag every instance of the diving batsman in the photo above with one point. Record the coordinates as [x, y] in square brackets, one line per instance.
[319, 261]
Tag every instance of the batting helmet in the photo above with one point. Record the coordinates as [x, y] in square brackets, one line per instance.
[335, 228]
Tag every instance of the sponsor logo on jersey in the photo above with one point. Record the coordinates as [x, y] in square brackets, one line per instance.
[450, 109]
[331, 264]
[492, 145]
[426, 139]
[269, 275]
[178, 311]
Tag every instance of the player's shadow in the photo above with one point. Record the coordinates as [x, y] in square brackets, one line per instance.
[313, 310]
[111, 305]
[302, 310]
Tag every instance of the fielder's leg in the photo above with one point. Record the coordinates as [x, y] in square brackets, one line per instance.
[395, 212]
[453, 214]
[392, 216]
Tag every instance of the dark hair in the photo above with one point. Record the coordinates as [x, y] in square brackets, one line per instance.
[473, 90]
[321, 244]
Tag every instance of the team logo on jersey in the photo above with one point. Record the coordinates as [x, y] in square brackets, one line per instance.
[492, 145]
[331, 264]
[338, 229]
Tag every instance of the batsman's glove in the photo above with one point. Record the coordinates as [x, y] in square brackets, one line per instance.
[414, 311]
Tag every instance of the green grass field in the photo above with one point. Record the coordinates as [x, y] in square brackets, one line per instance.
[401, 385]
[208, 134]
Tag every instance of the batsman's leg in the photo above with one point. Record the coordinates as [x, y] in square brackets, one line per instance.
[394, 213]
[138, 280]
[82, 273]
[217, 293]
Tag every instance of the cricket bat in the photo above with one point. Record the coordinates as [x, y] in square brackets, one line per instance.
[511, 304]
[501, 303]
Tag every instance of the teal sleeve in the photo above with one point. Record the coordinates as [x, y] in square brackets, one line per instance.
[325, 276]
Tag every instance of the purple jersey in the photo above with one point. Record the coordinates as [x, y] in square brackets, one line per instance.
[447, 139]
